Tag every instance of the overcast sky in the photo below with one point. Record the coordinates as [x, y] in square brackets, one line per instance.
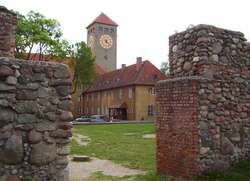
[144, 25]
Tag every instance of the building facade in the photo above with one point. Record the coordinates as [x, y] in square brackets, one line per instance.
[77, 98]
[127, 93]
[102, 39]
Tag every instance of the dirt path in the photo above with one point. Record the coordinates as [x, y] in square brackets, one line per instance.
[148, 136]
[81, 140]
[81, 171]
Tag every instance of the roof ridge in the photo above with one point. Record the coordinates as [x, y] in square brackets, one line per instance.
[103, 19]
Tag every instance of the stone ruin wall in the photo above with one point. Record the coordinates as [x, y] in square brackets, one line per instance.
[35, 115]
[7, 32]
[203, 121]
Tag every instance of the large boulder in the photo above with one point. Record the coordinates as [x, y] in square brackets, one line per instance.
[42, 153]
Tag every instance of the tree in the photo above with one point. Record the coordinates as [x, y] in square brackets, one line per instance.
[84, 66]
[36, 32]
[164, 68]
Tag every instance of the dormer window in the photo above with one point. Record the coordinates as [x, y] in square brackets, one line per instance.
[154, 77]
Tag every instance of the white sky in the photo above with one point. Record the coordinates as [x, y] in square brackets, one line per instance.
[144, 25]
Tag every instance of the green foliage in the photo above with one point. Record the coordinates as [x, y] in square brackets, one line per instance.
[36, 33]
[164, 68]
[84, 65]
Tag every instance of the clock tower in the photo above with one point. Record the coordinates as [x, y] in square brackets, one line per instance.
[102, 39]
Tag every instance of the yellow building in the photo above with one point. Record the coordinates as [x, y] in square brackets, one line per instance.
[127, 93]
[77, 97]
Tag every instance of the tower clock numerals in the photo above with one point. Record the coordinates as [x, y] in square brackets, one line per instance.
[106, 41]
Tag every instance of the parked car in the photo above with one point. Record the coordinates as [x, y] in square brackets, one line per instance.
[98, 118]
[83, 119]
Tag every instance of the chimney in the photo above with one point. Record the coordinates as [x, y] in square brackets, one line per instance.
[123, 66]
[7, 32]
[138, 63]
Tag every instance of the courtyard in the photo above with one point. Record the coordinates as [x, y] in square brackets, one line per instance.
[130, 149]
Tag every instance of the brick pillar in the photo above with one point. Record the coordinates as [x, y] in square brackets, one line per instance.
[7, 32]
[177, 128]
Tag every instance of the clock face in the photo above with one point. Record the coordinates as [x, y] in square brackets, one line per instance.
[91, 42]
[106, 41]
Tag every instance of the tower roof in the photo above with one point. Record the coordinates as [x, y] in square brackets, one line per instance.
[103, 19]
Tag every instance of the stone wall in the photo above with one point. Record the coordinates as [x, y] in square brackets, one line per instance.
[35, 106]
[35, 114]
[215, 63]
[7, 32]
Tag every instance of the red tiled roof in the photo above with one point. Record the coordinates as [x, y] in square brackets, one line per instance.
[147, 74]
[103, 19]
[99, 70]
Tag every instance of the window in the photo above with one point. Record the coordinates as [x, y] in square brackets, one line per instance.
[112, 30]
[79, 99]
[103, 110]
[106, 30]
[151, 110]
[100, 29]
[151, 91]
[154, 77]
[79, 109]
[120, 94]
[130, 93]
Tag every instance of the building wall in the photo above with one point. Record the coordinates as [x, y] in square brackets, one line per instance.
[142, 101]
[137, 102]
[106, 58]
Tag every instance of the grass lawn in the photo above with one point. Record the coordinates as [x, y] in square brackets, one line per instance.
[120, 143]
[125, 145]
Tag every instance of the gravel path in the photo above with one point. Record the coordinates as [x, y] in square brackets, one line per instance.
[81, 140]
[81, 171]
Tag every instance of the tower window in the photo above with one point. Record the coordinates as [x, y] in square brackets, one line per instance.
[112, 30]
[100, 29]
[106, 30]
